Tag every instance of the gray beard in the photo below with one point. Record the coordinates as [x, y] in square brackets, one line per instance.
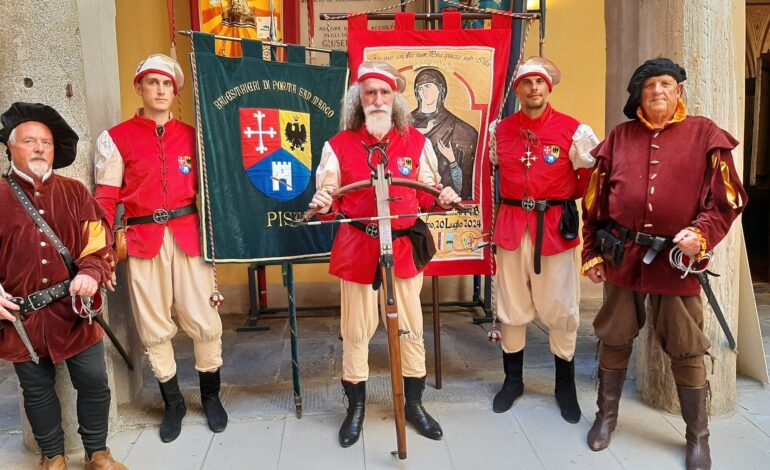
[39, 167]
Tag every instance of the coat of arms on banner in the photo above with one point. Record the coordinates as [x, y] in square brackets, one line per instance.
[276, 151]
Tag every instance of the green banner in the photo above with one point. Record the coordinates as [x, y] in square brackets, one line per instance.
[261, 128]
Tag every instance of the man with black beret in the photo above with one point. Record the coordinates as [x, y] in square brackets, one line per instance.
[664, 180]
[38, 279]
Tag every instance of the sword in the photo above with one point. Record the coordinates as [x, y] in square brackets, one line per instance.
[115, 341]
[84, 310]
[22, 331]
[712, 300]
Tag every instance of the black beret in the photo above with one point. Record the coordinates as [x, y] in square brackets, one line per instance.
[650, 68]
[65, 140]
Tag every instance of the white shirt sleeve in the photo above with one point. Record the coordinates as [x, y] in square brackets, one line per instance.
[583, 141]
[428, 166]
[328, 174]
[108, 163]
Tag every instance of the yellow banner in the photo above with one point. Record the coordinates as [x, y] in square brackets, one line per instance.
[250, 19]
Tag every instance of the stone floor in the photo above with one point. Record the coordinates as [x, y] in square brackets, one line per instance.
[265, 434]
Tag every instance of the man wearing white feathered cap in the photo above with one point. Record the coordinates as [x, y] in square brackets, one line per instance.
[147, 163]
[544, 163]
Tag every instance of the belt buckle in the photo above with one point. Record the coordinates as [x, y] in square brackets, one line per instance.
[373, 230]
[640, 234]
[31, 302]
[528, 203]
[160, 216]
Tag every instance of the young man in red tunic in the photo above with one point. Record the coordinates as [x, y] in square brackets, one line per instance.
[376, 112]
[663, 179]
[541, 154]
[38, 283]
[147, 163]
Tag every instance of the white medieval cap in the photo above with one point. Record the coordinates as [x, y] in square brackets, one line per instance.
[383, 71]
[540, 67]
[164, 65]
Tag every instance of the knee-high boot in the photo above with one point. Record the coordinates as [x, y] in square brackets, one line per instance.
[692, 400]
[610, 388]
[171, 425]
[564, 390]
[216, 415]
[415, 412]
[353, 424]
[513, 386]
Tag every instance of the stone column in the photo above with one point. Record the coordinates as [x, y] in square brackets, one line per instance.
[707, 37]
[63, 53]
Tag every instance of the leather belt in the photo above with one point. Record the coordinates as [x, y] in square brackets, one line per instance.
[655, 243]
[161, 216]
[373, 230]
[529, 204]
[42, 298]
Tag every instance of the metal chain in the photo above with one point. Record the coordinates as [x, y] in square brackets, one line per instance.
[216, 297]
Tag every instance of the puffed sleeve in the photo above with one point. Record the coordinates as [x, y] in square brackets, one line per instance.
[596, 202]
[428, 174]
[583, 141]
[108, 174]
[328, 175]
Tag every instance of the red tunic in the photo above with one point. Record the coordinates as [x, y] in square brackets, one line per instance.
[354, 254]
[543, 180]
[660, 182]
[159, 172]
[54, 330]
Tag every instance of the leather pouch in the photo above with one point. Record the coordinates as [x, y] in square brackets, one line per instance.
[568, 224]
[610, 247]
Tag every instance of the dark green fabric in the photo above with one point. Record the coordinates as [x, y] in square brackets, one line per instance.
[251, 48]
[249, 225]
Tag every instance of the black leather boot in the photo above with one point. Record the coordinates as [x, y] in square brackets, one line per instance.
[693, 401]
[415, 412]
[564, 390]
[171, 425]
[513, 386]
[353, 424]
[212, 406]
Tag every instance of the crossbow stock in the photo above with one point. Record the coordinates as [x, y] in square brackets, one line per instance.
[381, 180]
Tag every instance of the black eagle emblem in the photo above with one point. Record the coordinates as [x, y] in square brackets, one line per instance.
[296, 134]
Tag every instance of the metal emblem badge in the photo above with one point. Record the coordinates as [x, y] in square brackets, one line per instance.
[528, 203]
[373, 230]
[160, 216]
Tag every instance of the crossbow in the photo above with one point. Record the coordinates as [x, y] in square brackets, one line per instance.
[381, 180]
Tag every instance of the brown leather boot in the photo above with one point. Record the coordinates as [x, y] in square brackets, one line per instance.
[57, 463]
[102, 460]
[692, 400]
[608, 400]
